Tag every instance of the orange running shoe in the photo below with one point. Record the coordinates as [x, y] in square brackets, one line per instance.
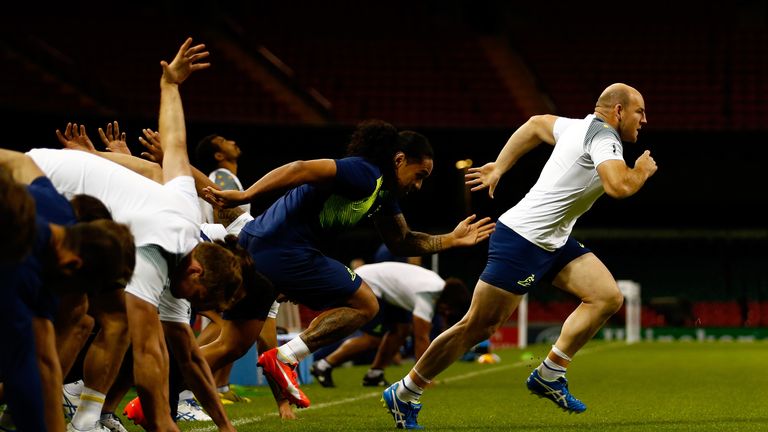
[134, 413]
[284, 376]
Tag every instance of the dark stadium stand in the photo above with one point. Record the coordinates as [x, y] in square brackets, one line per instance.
[290, 82]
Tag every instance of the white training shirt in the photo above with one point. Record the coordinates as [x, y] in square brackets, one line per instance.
[164, 219]
[166, 215]
[407, 286]
[568, 184]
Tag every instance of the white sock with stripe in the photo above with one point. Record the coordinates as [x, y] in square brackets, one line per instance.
[89, 411]
[550, 370]
[408, 391]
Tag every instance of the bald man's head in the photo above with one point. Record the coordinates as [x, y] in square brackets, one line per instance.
[617, 93]
[622, 107]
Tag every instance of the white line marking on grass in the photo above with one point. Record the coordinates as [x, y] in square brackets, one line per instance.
[249, 420]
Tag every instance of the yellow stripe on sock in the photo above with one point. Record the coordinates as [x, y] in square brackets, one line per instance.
[91, 398]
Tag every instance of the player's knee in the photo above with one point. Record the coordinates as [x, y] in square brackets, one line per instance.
[612, 301]
[368, 308]
[371, 310]
[480, 328]
[84, 326]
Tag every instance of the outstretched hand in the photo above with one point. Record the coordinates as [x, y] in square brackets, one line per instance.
[75, 138]
[469, 233]
[483, 177]
[154, 151]
[224, 198]
[113, 140]
[184, 63]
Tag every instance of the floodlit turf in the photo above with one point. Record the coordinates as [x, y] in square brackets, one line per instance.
[682, 386]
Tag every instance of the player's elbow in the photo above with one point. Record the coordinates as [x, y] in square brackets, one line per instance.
[618, 191]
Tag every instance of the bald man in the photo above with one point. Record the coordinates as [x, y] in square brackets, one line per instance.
[532, 242]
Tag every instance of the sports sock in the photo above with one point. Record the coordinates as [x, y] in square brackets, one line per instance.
[293, 351]
[556, 351]
[550, 370]
[408, 391]
[223, 389]
[186, 394]
[74, 388]
[323, 365]
[89, 411]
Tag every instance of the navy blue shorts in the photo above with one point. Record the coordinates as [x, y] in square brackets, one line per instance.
[389, 315]
[300, 272]
[517, 265]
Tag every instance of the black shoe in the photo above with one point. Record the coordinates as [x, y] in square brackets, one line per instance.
[323, 376]
[378, 381]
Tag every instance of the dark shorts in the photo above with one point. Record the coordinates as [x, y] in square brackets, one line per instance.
[298, 271]
[517, 265]
[389, 315]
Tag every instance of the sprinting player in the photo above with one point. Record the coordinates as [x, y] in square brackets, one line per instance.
[409, 296]
[532, 242]
[323, 198]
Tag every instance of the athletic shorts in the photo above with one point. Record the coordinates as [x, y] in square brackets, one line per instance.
[389, 315]
[517, 265]
[298, 271]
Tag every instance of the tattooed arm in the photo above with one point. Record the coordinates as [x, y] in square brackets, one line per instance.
[402, 241]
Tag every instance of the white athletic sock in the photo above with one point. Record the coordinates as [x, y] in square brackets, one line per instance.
[560, 354]
[89, 411]
[323, 365]
[223, 389]
[550, 370]
[74, 389]
[293, 351]
[186, 394]
[408, 391]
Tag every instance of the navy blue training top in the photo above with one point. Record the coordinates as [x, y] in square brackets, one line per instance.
[313, 214]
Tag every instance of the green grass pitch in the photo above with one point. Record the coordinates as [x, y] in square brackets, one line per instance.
[680, 386]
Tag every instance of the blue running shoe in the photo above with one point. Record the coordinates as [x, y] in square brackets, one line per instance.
[404, 413]
[556, 391]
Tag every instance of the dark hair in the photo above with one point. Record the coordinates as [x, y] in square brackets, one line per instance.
[456, 296]
[17, 211]
[205, 154]
[415, 146]
[378, 141]
[107, 251]
[88, 208]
